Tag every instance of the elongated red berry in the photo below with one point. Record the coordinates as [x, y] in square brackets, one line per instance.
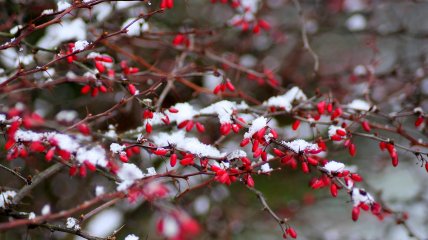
[173, 160]
[419, 121]
[366, 126]
[230, 86]
[244, 142]
[85, 89]
[149, 128]
[292, 232]
[296, 124]
[90, 166]
[132, 89]
[183, 124]
[225, 128]
[333, 190]
[321, 107]
[250, 181]
[352, 149]
[355, 213]
[305, 167]
[189, 126]
[100, 66]
[49, 155]
[200, 127]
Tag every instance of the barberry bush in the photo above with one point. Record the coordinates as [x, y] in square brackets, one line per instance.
[182, 119]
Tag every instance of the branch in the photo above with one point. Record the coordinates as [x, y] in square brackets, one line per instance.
[36, 180]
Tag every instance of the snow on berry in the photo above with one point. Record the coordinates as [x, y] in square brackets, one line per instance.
[334, 167]
[336, 132]
[2, 118]
[189, 144]
[265, 168]
[224, 110]
[300, 145]
[286, 100]
[360, 196]
[80, 45]
[128, 173]
[95, 155]
[117, 148]
[256, 125]
[236, 154]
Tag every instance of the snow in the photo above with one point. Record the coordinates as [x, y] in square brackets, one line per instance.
[285, 101]
[65, 142]
[99, 190]
[46, 209]
[80, 45]
[128, 173]
[105, 223]
[224, 110]
[6, 198]
[201, 205]
[117, 148]
[2, 117]
[47, 11]
[236, 154]
[27, 136]
[66, 116]
[332, 130]
[300, 145]
[256, 125]
[131, 237]
[125, 4]
[170, 227]
[356, 22]
[136, 28]
[111, 133]
[15, 29]
[266, 168]
[62, 5]
[102, 11]
[210, 80]
[32, 215]
[72, 223]
[66, 31]
[189, 144]
[360, 196]
[360, 70]
[185, 112]
[95, 155]
[151, 171]
[334, 167]
[359, 105]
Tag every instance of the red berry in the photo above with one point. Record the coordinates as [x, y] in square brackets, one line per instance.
[333, 190]
[352, 149]
[419, 121]
[173, 160]
[132, 89]
[200, 127]
[85, 89]
[296, 125]
[321, 107]
[355, 213]
[366, 126]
